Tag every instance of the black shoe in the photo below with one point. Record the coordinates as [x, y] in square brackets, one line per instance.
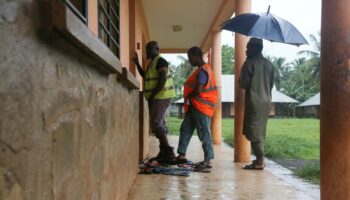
[168, 156]
[161, 154]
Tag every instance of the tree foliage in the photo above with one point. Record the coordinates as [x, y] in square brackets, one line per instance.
[180, 75]
[314, 55]
[299, 79]
[228, 59]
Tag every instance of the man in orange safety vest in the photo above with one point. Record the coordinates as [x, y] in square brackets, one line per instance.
[200, 97]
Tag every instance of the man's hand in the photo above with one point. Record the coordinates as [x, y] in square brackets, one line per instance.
[137, 63]
[136, 59]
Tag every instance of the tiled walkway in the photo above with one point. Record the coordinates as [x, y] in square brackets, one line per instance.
[226, 181]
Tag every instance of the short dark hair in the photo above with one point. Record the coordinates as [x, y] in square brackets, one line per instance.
[195, 51]
[152, 44]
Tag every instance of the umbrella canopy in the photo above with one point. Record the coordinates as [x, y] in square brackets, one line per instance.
[265, 26]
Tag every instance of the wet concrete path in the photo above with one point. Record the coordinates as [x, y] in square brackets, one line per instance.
[226, 181]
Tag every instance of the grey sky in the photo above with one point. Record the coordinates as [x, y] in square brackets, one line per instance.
[305, 15]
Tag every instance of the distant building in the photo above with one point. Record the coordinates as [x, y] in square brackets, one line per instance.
[228, 99]
[310, 107]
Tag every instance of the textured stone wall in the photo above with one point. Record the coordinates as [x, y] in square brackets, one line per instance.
[67, 131]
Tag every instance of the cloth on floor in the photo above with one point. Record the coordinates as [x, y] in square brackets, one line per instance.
[149, 166]
[177, 171]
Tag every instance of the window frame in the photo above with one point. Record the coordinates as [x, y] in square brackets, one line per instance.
[59, 20]
[82, 16]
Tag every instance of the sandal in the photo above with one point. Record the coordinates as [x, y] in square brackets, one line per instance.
[202, 167]
[254, 166]
[181, 160]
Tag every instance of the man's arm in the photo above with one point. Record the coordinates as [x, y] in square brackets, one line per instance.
[198, 89]
[272, 77]
[246, 76]
[202, 79]
[137, 63]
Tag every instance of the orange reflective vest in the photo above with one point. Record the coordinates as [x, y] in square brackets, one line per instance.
[207, 98]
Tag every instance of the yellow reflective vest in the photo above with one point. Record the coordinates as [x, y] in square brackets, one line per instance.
[151, 80]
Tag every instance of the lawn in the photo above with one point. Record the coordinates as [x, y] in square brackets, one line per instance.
[286, 138]
[289, 138]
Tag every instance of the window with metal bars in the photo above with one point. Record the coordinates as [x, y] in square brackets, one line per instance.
[108, 24]
[79, 8]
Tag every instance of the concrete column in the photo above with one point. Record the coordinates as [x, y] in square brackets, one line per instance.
[335, 100]
[93, 16]
[208, 56]
[216, 66]
[132, 35]
[241, 144]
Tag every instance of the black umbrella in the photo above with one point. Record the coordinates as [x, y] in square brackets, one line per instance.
[265, 26]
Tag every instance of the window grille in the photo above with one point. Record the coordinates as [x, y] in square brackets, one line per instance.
[108, 24]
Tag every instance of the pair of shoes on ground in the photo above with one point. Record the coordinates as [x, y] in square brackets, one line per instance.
[254, 166]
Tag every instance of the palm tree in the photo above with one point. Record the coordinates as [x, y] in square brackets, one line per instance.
[297, 62]
[180, 74]
[314, 55]
[281, 67]
[298, 82]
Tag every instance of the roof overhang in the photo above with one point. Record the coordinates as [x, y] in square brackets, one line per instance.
[181, 24]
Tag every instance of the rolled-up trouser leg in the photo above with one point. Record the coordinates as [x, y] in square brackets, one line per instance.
[258, 149]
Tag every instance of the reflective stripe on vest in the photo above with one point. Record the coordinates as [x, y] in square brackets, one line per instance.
[155, 78]
[207, 98]
[151, 81]
[164, 89]
[211, 88]
[205, 102]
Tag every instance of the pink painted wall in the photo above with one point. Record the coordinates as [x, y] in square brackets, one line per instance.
[124, 33]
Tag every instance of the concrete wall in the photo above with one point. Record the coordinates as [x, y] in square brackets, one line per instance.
[67, 131]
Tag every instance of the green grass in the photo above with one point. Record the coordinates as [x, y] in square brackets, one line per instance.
[174, 124]
[309, 172]
[289, 138]
[286, 138]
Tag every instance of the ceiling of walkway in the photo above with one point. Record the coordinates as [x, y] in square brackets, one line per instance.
[195, 19]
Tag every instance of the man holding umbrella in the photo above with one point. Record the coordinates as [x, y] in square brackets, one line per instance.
[257, 78]
[258, 73]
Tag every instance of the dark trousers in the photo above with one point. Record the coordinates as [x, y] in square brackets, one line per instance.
[157, 111]
[258, 149]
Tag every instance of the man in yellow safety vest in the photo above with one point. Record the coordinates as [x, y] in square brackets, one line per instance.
[158, 90]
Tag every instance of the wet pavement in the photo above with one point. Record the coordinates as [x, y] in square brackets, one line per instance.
[226, 181]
